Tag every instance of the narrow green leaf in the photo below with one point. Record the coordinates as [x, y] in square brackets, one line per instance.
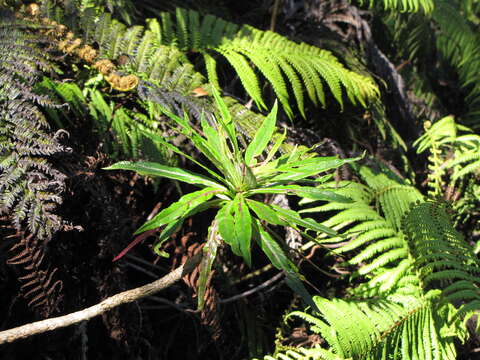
[174, 226]
[226, 227]
[296, 285]
[211, 67]
[233, 173]
[214, 140]
[322, 194]
[224, 112]
[226, 120]
[293, 217]
[303, 191]
[249, 179]
[273, 251]
[262, 136]
[222, 153]
[308, 167]
[265, 212]
[198, 141]
[169, 230]
[278, 258]
[161, 140]
[179, 209]
[155, 169]
[278, 142]
[243, 227]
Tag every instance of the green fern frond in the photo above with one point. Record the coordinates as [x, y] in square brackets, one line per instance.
[398, 327]
[454, 150]
[316, 353]
[385, 253]
[473, 164]
[426, 6]
[443, 259]
[403, 233]
[145, 54]
[167, 77]
[371, 223]
[393, 194]
[285, 64]
[421, 276]
[156, 54]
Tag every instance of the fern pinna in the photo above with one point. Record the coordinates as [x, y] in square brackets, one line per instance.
[30, 187]
[420, 276]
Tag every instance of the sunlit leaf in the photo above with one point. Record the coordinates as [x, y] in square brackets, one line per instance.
[293, 217]
[155, 169]
[243, 227]
[303, 191]
[179, 208]
[262, 137]
[265, 212]
[278, 259]
[226, 227]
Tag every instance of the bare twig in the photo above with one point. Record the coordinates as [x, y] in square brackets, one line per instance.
[141, 269]
[179, 307]
[254, 290]
[273, 20]
[128, 296]
[143, 262]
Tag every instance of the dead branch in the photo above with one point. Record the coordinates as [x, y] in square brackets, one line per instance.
[128, 296]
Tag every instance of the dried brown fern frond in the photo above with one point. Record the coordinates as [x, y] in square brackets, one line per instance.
[211, 315]
[40, 286]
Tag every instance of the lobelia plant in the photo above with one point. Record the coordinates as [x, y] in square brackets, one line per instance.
[243, 173]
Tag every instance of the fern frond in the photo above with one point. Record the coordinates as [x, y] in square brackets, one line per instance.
[453, 148]
[426, 6]
[398, 327]
[392, 193]
[30, 186]
[316, 353]
[371, 223]
[443, 259]
[473, 164]
[421, 276]
[130, 130]
[169, 79]
[285, 64]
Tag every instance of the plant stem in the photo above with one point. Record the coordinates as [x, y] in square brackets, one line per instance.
[128, 296]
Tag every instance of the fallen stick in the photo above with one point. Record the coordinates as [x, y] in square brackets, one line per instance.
[128, 296]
